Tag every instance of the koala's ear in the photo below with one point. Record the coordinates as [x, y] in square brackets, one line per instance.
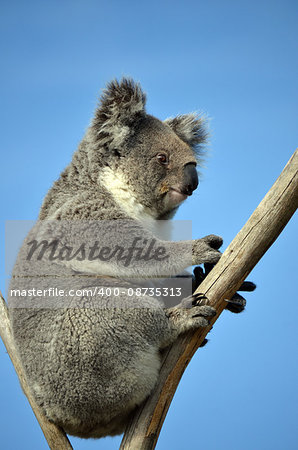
[191, 128]
[121, 104]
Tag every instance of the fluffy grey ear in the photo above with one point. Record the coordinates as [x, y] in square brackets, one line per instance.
[121, 104]
[191, 128]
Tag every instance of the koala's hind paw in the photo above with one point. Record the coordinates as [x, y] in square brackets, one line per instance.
[198, 299]
[204, 311]
[199, 316]
[192, 312]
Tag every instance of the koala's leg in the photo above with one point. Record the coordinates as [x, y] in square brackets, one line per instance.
[193, 312]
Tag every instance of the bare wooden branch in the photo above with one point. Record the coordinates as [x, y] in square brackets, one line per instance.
[55, 437]
[248, 247]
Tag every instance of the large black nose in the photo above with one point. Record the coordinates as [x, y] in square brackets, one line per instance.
[190, 179]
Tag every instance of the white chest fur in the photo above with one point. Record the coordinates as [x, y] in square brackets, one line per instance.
[126, 199]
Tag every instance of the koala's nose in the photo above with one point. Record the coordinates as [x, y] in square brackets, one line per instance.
[190, 179]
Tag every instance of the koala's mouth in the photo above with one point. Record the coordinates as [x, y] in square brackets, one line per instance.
[177, 196]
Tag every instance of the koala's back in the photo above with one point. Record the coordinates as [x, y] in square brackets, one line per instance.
[87, 369]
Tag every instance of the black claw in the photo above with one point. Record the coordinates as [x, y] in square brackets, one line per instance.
[234, 308]
[199, 274]
[200, 299]
[204, 342]
[200, 295]
[247, 286]
[208, 267]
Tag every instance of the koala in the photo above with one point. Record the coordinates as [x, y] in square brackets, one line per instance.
[90, 362]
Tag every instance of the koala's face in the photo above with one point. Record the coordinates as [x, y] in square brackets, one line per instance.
[155, 160]
[158, 166]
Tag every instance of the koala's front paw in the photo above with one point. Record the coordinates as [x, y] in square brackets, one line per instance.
[205, 250]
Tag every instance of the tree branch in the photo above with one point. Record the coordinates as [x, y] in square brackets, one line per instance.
[248, 247]
[55, 437]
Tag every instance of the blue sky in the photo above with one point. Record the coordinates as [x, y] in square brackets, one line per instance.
[237, 62]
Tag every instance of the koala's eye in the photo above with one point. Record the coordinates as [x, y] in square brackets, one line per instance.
[162, 159]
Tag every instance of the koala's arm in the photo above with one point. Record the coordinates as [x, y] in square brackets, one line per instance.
[173, 257]
[143, 254]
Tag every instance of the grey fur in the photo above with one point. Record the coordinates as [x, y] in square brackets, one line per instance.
[89, 368]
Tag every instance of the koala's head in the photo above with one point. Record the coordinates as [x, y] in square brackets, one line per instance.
[156, 160]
